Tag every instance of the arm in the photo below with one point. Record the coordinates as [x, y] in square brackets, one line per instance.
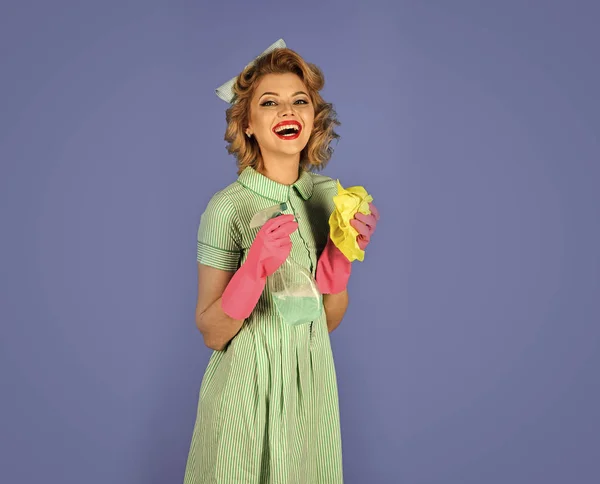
[217, 328]
[334, 269]
[219, 252]
[227, 298]
[335, 308]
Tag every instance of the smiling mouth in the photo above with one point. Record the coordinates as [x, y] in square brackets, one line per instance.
[288, 131]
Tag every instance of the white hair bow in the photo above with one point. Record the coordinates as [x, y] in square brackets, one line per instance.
[225, 91]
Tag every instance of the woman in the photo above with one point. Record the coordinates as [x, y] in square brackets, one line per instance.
[268, 406]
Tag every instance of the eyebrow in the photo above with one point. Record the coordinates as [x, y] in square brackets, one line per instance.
[275, 94]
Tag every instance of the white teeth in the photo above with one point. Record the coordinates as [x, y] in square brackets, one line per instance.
[288, 126]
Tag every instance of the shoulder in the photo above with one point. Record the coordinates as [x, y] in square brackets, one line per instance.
[234, 197]
[221, 210]
[232, 207]
[225, 200]
[219, 239]
[324, 187]
[219, 205]
[323, 182]
[323, 193]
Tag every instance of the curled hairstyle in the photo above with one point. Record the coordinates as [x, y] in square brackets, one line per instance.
[317, 152]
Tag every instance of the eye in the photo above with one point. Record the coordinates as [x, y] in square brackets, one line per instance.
[273, 103]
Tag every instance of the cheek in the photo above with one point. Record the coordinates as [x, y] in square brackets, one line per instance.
[309, 127]
[310, 123]
[262, 128]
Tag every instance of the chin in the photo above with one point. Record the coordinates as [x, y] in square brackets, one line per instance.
[289, 148]
[293, 151]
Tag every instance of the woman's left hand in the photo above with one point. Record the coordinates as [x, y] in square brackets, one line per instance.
[365, 225]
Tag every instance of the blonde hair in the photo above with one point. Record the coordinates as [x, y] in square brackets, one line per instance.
[317, 152]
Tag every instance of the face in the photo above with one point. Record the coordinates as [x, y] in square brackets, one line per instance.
[281, 115]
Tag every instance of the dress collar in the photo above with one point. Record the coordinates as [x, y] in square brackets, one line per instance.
[259, 183]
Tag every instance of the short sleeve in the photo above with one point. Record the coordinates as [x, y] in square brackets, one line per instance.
[219, 238]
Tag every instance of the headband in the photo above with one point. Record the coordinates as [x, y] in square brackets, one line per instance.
[225, 91]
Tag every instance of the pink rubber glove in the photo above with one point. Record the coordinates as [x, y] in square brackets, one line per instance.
[269, 250]
[333, 268]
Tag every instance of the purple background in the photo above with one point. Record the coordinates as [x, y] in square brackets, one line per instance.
[471, 349]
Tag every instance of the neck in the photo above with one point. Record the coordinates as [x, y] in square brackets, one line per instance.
[284, 170]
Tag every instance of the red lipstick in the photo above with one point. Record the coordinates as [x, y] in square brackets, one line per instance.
[287, 130]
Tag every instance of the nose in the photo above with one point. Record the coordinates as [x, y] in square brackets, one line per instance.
[286, 109]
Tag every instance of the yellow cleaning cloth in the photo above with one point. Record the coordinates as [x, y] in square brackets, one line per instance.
[347, 202]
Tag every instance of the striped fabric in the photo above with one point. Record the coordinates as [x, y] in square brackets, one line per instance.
[268, 404]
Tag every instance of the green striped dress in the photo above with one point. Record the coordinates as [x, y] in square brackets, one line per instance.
[268, 404]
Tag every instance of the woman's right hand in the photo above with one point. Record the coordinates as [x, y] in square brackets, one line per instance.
[268, 251]
[271, 246]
